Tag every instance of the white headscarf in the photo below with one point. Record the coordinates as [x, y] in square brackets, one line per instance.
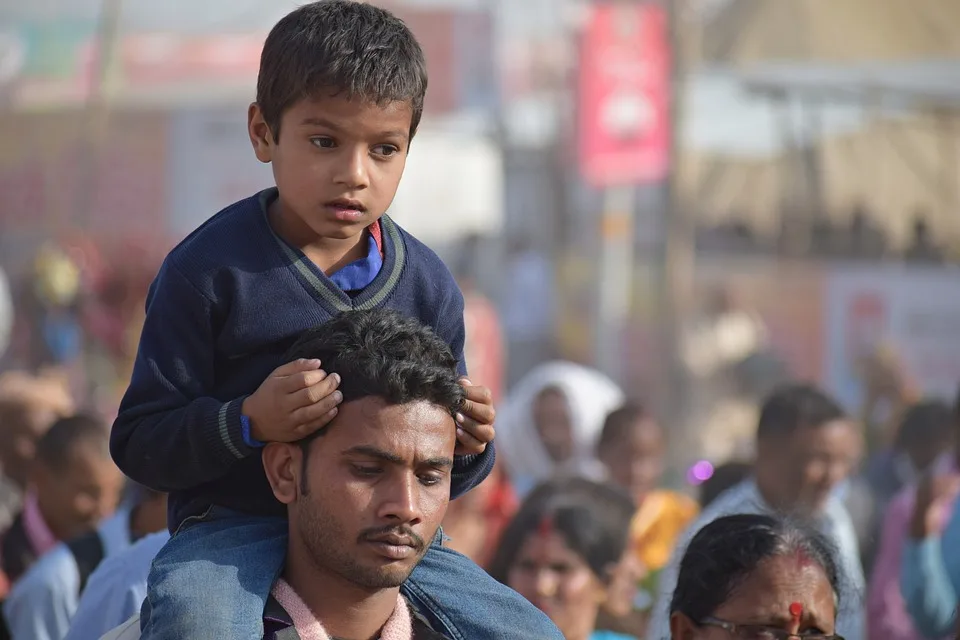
[590, 396]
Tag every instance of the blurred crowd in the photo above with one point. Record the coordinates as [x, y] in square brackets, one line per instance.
[579, 516]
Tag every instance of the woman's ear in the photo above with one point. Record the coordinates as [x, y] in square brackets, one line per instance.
[682, 627]
[282, 464]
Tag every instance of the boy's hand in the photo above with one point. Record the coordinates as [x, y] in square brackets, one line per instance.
[475, 420]
[293, 402]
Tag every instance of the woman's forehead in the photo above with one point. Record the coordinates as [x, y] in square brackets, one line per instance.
[766, 594]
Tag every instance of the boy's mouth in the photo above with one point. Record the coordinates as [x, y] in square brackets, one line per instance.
[346, 210]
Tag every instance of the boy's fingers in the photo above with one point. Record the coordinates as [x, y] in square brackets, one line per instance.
[313, 392]
[476, 392]
[305, 430]
[316, 411]
[302, 380]
[480, 431]
[296, 367]
[479, 411]
[467, 444]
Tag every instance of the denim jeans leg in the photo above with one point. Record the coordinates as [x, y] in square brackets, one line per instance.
[213, 578]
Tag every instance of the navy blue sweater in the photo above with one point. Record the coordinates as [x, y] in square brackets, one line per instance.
[226, 305]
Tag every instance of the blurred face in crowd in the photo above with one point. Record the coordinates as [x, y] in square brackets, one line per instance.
[559, 582]
[551, 416]
[635, 461]
[799, 471]
[21, 425]
[76, 497]
[366, 498]
[761, 605]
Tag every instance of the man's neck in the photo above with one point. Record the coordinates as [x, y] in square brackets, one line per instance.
[345, 610]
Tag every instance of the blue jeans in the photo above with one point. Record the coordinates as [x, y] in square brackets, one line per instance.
[212, 580]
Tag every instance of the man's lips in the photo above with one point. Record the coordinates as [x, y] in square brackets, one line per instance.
[395, 546]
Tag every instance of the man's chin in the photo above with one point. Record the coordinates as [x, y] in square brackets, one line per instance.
[383, 577]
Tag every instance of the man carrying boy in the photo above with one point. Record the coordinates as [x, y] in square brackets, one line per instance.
[339, 98]
[366, 494]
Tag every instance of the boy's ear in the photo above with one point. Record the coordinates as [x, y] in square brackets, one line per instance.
[260, 135]
[282, 464]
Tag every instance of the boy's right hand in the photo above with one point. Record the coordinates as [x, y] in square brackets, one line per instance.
[293, 402]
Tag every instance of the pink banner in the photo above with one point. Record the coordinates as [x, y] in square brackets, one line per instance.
[624, 95]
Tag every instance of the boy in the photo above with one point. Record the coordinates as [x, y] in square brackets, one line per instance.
[339, 98]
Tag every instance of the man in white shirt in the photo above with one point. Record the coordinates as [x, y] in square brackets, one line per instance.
[806, 447]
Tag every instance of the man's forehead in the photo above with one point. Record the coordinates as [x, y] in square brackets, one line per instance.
[418, 428]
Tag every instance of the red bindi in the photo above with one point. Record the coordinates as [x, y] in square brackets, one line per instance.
[796, 611]
[545, 527]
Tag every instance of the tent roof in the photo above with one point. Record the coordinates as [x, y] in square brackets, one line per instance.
[846, 31]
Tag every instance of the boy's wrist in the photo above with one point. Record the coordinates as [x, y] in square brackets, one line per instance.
[245, 430]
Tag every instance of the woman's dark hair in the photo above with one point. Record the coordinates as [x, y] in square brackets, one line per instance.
[726, 551]
[593, 519]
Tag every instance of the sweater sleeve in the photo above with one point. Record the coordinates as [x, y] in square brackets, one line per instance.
[169, 434]
[468, 471]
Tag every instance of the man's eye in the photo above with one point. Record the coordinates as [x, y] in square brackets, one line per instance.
[366, 472]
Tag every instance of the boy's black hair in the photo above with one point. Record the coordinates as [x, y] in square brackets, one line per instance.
[344, 47]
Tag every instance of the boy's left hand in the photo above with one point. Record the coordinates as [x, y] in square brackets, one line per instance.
[475, 420]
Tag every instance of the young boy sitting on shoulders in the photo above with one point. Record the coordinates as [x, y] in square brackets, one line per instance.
[339, 98]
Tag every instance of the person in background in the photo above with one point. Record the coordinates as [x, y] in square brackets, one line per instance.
[43, 602]
[73, 486]
[116, 590]
[755, 576]
[926, 425]
[806, 446]
[926, 430]
[29, 405]
[725, 476]
[566, 551]
[550, 423]
[930, 561]
[632, 448]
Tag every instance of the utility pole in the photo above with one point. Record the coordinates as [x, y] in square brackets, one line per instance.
[677, 277]
[97, 113]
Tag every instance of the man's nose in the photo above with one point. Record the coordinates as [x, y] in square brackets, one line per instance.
[402, 501]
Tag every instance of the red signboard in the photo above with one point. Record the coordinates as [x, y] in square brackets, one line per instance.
[624, 95]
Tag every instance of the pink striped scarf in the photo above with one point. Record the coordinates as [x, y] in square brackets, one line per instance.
[398, 627]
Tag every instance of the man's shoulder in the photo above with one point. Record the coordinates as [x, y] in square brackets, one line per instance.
[129, 630]
[54, 572]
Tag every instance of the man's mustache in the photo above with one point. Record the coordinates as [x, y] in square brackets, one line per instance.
[409, 535]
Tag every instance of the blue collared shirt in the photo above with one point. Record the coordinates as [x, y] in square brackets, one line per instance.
[360, 273]
[42, 603]
[116, 589]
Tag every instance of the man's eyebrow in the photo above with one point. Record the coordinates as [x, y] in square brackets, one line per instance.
[375, 452]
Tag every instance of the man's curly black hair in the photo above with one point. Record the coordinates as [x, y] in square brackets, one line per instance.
[385, 354]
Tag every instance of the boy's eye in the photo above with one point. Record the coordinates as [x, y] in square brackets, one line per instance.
[322, 142]
[385, 150]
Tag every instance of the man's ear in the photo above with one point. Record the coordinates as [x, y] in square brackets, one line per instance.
[682, 627]
[282, 463]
